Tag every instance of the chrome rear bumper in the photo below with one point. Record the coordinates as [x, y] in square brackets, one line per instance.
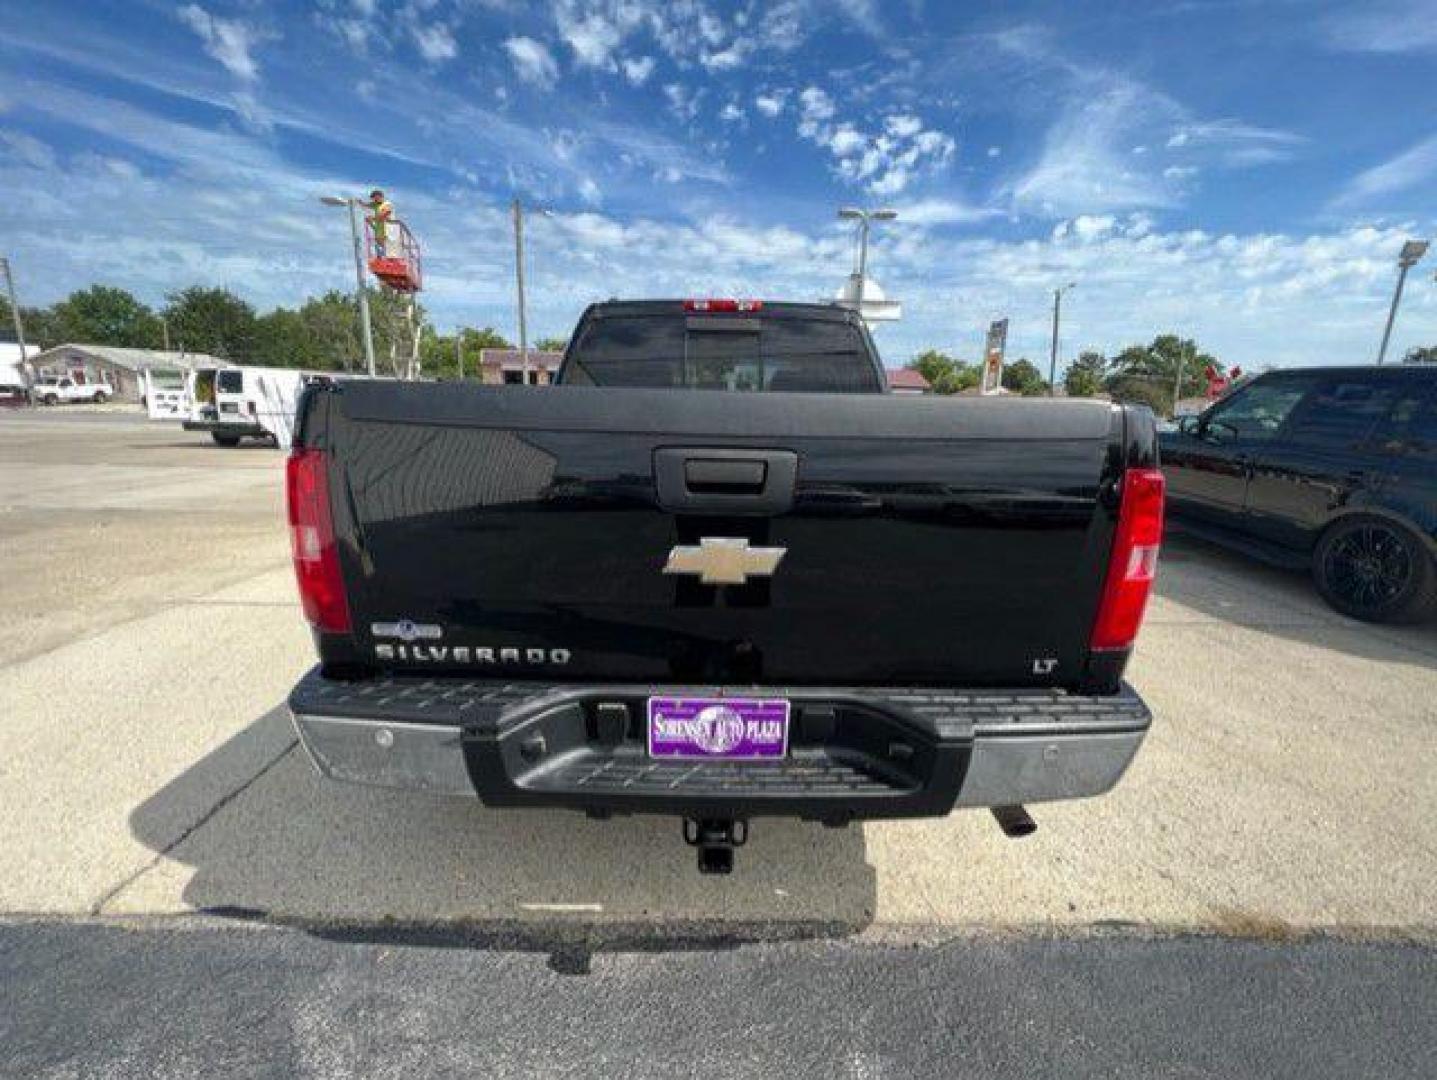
[983, 749]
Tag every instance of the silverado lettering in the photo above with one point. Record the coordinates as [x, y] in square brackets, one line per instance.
[467, 654]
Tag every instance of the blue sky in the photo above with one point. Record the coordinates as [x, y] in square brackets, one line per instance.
[1240, 172]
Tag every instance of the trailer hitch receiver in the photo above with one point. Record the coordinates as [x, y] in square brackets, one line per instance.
[715, 839]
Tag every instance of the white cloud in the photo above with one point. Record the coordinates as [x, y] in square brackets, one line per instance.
[927, 212]
[846, 141]
[229, 41]
[1409, 168]
[1233, 143]
[770, 104]
[1081, 168]
[1394, 26]
[903, 127]
[884, 164]
[688, 32]
[683, 101]
[532, 61]
[994, 151]
[28, 150]
[731, 113]
[435, 42]
[592, 36]
[589, 191]
[814, 107]
[863, 14]
[638, 69]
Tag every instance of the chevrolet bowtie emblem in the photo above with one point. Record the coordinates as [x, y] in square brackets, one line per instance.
[723, 560]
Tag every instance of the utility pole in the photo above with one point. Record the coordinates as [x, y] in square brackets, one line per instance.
[519, 283]
[459, 351]
[1053, 351]
[165, 332]
[365, 325]
[15, 313]
[1407, 258]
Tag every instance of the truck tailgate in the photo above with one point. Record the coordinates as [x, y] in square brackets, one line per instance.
[681, 536]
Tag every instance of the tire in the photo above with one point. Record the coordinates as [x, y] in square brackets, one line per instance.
[225, 440]
[50, 399]
[1375, 570]
[101, 397]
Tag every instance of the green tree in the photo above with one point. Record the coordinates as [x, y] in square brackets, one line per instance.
[437, 351]
[39, 325]
[552, 344]
[214, 321]
[331, 324]
[1417, 355]
[102, 315]
[1147, 374]
[945, 374]
[1084, 376]
[1023, 377]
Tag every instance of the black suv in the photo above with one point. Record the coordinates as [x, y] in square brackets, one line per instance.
[1329, 468]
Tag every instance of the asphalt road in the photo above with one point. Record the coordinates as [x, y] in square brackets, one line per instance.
[160, 1002]
[147, 773]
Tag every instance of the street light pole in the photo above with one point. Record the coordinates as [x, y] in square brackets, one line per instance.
[1053, 351]
[864, 217]
[365, 324]
[1410, 255]
[518, 211]
[15, 313]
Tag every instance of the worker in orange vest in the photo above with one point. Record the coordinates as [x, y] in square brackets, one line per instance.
[381, 213]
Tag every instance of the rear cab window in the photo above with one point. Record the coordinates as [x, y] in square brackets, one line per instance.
[231, 382]
[773, 350]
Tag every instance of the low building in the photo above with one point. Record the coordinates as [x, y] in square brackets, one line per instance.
[499, 366]
[120, 367]
[908, 381]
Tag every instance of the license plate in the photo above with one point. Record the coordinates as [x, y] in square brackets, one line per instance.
[718, 728]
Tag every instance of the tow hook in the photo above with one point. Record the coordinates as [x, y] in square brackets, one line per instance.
[715, 839]
[1014, 821]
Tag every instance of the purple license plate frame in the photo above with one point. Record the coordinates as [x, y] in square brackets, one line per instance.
[717, 728]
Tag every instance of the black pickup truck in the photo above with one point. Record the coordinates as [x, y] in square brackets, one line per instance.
[719, 572]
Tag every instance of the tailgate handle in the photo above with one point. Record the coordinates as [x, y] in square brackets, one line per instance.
[733, 477]
[722, 481]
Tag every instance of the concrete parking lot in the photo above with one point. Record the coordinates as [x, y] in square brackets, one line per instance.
[146, 766]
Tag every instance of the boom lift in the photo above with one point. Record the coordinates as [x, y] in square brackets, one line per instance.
[399, 268]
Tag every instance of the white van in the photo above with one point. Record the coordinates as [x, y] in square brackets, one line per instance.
[235, 403]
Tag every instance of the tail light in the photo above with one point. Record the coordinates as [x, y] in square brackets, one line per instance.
[311, 532]
[1134, 562]
[712, 306]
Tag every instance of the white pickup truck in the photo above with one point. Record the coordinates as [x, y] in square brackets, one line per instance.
[49, 390]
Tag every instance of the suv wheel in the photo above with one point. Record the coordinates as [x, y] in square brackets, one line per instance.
[101, 397]
[50, 399]
[1375, 570]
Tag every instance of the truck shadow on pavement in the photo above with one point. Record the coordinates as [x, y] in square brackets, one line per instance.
[264, 837]
[1236, 590]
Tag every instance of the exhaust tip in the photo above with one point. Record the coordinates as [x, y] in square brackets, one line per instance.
[1014, 821]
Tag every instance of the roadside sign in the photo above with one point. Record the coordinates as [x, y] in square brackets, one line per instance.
[992, 381]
